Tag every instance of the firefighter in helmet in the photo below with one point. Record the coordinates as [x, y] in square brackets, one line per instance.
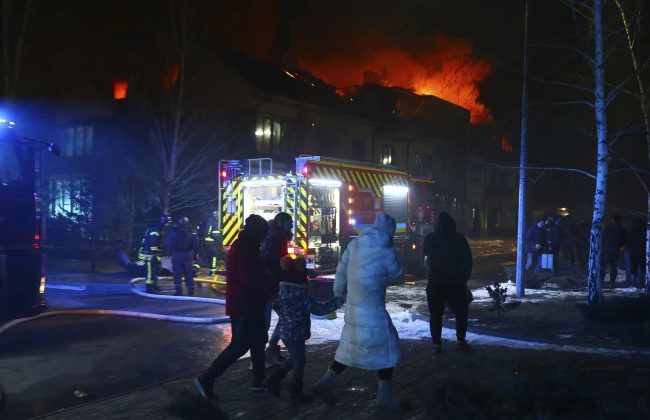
[183, 246]
[151, 251]
[212, 240]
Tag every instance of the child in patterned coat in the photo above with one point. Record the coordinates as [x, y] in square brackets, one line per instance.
[295, 306]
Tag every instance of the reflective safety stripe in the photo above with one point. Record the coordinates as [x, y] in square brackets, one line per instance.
[154, 233]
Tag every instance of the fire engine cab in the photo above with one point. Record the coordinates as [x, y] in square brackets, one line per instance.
[331, 201]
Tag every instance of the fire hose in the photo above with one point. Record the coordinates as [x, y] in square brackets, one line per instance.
[133, 314]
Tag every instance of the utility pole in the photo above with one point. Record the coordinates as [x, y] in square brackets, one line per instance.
[521, 219]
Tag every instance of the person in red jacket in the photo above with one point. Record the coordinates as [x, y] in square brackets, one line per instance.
[247, 294]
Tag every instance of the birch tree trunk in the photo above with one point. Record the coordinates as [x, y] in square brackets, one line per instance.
[602, 164]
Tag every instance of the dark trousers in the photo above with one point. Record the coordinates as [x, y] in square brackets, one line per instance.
[248, 333]
[439, 295]
[294, 364]
[210, 249]
[182, 266]
[610, 257]
[383, 374]
[634, 265]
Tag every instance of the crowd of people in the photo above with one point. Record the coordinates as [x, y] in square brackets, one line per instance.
[262, 277]
[560, 236]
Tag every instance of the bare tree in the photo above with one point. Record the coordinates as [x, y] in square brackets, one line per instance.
[15, 21]
[184, 148]
[631, 13]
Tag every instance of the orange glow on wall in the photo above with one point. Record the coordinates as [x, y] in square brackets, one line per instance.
[120, 89]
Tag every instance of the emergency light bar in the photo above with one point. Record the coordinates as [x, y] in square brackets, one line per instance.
[396, 189]
[317, 182]
[263, 183]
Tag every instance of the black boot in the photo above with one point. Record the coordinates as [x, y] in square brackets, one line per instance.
[150, 288]
[274, 380]
[297, 396]
[190, 292]
[179, 291]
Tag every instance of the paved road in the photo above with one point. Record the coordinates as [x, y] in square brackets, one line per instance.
[43, 362]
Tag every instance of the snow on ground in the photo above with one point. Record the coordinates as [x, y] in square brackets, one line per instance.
[481, 295]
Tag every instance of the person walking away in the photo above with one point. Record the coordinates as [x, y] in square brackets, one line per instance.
[449, 259]
[151, 251]
[247, 295]
[272, 250]
[553, 232]
[211, 241]
[369, 339]
[569, 232]
[535, 240]
[182, 244]
[614, 237]
[635, 252]
[295, 306]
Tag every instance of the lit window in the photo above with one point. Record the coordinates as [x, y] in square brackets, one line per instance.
[387, 155]
[120, 88]
[69, 195]
[269, 134]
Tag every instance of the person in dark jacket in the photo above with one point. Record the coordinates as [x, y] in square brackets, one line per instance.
[635, 252]
[535, 242]
[614, 237]
[151, 251]
[450, 264]
[183, 246]
[295, 306]
[553, 232]
[581, 242]
[247, 295]
[272, 250]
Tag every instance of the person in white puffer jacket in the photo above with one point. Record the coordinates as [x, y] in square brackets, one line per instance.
[369, 339]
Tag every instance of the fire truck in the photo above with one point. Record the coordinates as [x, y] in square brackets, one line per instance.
[331, 201]
[22, 279]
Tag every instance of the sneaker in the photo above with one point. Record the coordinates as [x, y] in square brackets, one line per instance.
[258, 385]
[204, 389]
[437, 348]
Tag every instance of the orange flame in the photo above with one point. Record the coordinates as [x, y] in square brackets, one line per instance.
[451, 72]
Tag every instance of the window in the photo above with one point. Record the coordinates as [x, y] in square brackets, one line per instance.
[359, 150]
[388, 155]
[79, 140]
[269, 134]
[69, 195]
[422, 165]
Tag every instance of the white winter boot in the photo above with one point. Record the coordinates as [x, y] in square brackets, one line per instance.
[323, 388]
[387, 400]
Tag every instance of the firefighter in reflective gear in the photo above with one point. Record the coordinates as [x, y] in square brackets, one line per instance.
[183, 246]
[151, 251]
[212, 241]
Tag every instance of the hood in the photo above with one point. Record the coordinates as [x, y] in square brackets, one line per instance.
[372, 237]
[385, 223]
[445, 224]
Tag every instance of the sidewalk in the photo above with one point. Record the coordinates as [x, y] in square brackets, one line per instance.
[486, 382]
